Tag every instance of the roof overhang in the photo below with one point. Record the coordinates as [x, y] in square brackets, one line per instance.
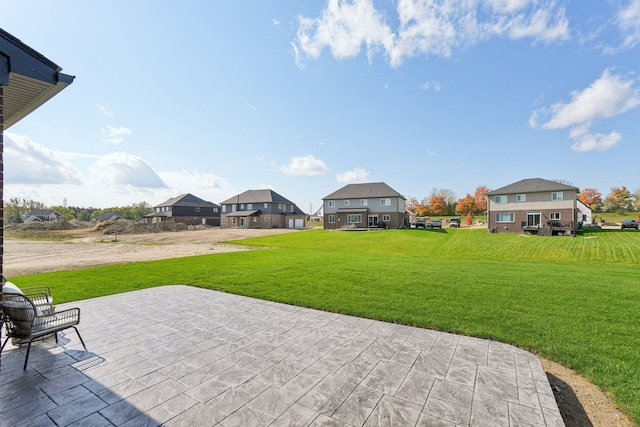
[28, 79]
[242, 213]
[353, 210]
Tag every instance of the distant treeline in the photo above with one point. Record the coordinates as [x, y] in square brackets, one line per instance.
[16, 208]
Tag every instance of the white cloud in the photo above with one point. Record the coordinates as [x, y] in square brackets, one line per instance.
[355, 176]
[431, 85]
[609, 96]
[628, 20]
[606, 97]
[103, 110]
[307, 165]
[115, 135]
[27, 162]
[118, 170]
[425, 27]
[194, 181]
[587, 141]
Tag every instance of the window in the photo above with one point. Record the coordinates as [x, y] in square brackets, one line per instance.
[233, 220]
[197, 209]
[500, 199]
[385, 202]
[266, 219]
[557, 195]
[224, 221]
[505, 217]
[332, 203]
[332, 219]
[255, 219]
[215, 210]
[249, 206]
[347, 202]
[280, 206]
[266, 205]
[242, 207]
[364, 202]
[224, 208]
[386, 218]
[291, 208]
[554, 215]
[521, 197]
[233, 208]
[354, 219]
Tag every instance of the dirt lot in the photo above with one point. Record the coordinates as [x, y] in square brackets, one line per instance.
[581, 403]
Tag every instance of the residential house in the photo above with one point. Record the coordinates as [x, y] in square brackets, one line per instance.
[41, 215]
[362, 206]
[585, 213]
[107, 216]
[536, 206]
[317, 216]
[186, 208]
[260, 209]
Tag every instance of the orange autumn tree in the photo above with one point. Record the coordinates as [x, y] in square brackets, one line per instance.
[468, 220]
[438, 205]
[591, 197]
[466, 205]
[480, 197]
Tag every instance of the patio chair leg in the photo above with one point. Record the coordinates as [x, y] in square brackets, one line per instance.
[2, 349]
[26, 358]
[81, 340]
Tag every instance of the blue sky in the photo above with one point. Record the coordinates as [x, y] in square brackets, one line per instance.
[217, 97]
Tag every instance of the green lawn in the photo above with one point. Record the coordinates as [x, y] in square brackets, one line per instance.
[573, 300]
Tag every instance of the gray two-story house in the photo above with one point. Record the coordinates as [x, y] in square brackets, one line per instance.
[186, 208]
[535, 205]
[260, 209]
[361, 206]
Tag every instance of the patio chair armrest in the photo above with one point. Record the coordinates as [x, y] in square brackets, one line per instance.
[56, 321]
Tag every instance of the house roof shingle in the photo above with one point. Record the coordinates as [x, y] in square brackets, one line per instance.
[187, 199]
[533, 185]
[261, 196]
[257, 196]
[372, 189]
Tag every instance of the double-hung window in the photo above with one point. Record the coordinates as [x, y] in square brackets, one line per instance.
[557, 195]
[521, 197]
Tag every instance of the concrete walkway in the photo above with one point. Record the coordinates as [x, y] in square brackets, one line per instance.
[183, 356]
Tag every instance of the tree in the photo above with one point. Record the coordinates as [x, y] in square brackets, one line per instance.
[468, 220]
[591, 197]
[438, 205]
[412, 202]
[636, 200]
[449, 198]
[466, 205]
[618, 200]
[480, 197]
[422, 210]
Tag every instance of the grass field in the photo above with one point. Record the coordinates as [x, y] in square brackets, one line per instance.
[573, 300]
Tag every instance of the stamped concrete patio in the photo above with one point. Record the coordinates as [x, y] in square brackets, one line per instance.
[183, 356]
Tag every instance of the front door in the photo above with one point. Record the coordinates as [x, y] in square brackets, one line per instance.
[243, 222]
[533, 219]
